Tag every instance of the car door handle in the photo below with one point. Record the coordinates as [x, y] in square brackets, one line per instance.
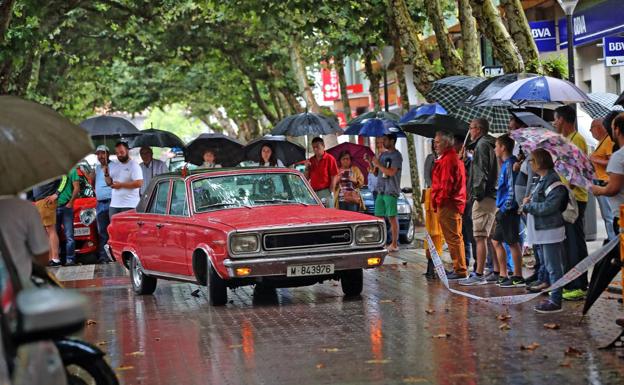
[160, 225]
[140, 223]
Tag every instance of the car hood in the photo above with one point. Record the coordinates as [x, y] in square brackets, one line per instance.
[280, 216]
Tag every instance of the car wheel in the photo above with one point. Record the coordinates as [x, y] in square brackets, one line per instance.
[141, 283]
[408, 237]
[352, 282]
[216, 288]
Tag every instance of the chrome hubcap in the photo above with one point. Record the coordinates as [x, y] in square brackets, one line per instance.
[137, 273]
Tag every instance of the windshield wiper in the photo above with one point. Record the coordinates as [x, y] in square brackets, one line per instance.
[279, 201]
[223, 204]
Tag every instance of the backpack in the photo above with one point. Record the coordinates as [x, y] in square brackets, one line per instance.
[571, 212]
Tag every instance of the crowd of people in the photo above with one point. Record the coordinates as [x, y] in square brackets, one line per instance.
[482, 194]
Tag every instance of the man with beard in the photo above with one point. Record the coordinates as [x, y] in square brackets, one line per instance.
[125, 178]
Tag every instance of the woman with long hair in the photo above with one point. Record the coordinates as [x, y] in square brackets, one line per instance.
[348, 182]
[268, 157]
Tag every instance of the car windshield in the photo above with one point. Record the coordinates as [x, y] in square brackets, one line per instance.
[248, 190]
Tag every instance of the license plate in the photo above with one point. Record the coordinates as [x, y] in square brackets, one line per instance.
[81, 231]
[305, 270]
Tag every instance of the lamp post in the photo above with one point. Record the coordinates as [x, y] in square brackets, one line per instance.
[568, 8]
[385, 57]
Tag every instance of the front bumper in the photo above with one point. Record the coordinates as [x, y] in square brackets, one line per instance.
[276, 266]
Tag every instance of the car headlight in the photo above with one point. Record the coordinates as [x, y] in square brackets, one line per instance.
[368, 234]
[403, 208]
[244, 243]
[87, 216]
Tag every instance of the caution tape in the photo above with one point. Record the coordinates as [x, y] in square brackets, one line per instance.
[570, 276]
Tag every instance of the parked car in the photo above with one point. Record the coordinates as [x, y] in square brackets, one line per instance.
[406, 222]
[225, 228]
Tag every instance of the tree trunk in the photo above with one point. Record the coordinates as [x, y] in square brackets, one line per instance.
[276, 102]
[301, 76]
[6, 11]
[470, 39]
[520, 32]
[491, 26]
[424, 74]
[6, 71]
[451, 61]
[373, 78]
[292, 100]
[259, 101]
[342, 80]
[23, 79]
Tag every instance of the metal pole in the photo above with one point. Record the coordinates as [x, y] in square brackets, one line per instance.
[570, 25]
[385, 75]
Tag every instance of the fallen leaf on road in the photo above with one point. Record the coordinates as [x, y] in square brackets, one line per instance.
[531, 347]
[503, 317]
[504, 326]
[386, 301]
[136, 354]
[195, 293]
[573, 352]
[320, 366]
[330, 350]
[552, 326]
[378, 361]
[91, 322]
[565, 364]
[429, 311]
[124, 367]
[235, 346]
[444, 335]
[414, 380]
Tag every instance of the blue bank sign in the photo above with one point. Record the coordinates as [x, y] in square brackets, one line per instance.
[594, 23]
[545, 35]
[613, 51]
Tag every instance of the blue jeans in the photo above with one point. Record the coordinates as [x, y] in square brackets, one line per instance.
[552, 255]
[607, 215]
[103, 220]
[65, 217]
[540, 267]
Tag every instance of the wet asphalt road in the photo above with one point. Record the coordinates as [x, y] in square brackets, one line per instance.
[402, 330]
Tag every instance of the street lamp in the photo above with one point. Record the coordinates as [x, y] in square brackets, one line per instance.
[568, 7]
[385, 57]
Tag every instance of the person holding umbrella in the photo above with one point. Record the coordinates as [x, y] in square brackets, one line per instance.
[150, 167]
[347, 184]
[321, 170]
[103, 195]
[268, 158]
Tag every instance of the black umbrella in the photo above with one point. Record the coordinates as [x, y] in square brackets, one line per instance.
[307, 123]
[530, 119]
[620, 100]
[486, 89]
[228, 151]
[602, 275]
[156, 138]
[288, 152]
[109, 126]
[428, 125]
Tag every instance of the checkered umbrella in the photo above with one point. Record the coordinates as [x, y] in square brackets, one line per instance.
[451, 92]
[601, 104]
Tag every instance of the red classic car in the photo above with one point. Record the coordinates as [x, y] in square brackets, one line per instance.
[234, 227]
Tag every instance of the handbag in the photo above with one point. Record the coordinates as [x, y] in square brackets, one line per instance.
[351, 196]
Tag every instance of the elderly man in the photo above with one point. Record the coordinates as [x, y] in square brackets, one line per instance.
[482, 185]
[125, 178]
[150, 166]
[576, 247]
[448, 198]
[600, 159]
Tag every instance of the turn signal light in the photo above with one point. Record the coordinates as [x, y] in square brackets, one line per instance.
[374, 261]
[243, 271]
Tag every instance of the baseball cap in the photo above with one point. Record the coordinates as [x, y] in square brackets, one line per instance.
[102, 148]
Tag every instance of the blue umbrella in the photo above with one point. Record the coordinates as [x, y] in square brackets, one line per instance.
[375, 127]
[425, 109]
[539, 89]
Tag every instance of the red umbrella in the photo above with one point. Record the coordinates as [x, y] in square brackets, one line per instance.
[357, 152]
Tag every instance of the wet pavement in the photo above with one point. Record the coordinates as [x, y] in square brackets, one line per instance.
[402, 330]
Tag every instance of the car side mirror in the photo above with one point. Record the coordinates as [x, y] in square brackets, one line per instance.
[49, 313]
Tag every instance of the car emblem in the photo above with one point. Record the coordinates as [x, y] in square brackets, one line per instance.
[343, 236]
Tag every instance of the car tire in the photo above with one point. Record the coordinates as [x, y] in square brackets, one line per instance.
[352, 282]
[408, 237]
[217, 288]
[141, 283]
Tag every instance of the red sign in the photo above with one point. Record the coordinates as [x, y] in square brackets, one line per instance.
[355, 88]
[342, 120]
[331, 87]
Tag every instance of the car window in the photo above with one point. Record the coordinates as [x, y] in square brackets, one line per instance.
[179, 204]
[158, 205]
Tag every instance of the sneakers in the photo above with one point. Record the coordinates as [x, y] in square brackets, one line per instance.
[54, 263]
[473, 280]
[70, 262]
[492, 277]
[513, 282]
[532, 278]
[455, 277]
[537, 287]
[574, 295]
[548, 307]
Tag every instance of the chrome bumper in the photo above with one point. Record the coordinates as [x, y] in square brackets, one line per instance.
[272, 266]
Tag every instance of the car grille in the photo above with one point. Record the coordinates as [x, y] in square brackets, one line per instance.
[308, 239]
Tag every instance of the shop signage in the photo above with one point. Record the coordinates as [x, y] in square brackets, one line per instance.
[613, 48]
[544, 34]
[591, 24]
[331, 86]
